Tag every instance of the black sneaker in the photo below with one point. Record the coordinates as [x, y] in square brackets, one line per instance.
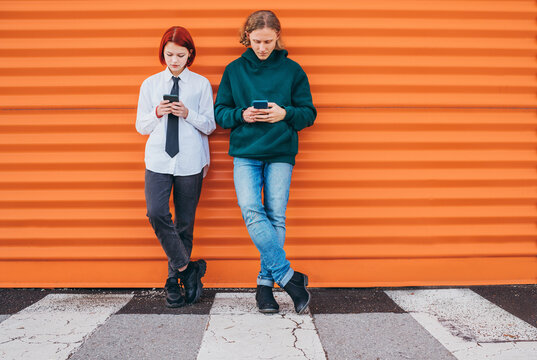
[174, 298]
[191, 279]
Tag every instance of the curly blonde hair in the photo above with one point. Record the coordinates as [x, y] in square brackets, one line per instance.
[259, 20]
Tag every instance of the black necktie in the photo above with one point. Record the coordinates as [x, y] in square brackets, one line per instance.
[172, 134]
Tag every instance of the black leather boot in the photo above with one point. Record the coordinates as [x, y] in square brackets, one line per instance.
[174, 298]
[296, 288]
[265, 300]
[191, 279]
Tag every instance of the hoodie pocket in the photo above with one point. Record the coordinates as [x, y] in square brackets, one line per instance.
[262, 139]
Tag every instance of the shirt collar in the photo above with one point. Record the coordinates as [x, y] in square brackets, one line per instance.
[185, 75]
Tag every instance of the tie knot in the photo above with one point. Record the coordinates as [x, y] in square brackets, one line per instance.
[175, 80]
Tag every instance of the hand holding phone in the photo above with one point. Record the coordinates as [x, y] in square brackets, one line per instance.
[250, 114]
[175, 106]
[272, 114]
[263, 111]
[165, 106]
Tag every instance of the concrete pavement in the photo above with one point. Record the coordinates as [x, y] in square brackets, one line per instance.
[491, 322]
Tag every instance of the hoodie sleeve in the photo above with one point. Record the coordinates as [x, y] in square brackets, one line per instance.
[301, 113]
[227, 114]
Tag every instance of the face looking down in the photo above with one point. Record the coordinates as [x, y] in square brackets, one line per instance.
[176, 57]
[263, 42]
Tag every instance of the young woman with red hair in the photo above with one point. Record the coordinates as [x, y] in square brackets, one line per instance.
[176, 158]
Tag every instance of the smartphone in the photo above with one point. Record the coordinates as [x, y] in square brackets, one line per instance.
[171, 98]
[260, 104]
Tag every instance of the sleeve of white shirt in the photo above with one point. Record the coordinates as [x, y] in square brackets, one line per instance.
[202, 118]
[146, 116]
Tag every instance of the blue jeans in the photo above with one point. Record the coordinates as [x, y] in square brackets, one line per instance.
[265, 222]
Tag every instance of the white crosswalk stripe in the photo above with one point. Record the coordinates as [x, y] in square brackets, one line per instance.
[55, 326]
[238, 331]
[468, 325]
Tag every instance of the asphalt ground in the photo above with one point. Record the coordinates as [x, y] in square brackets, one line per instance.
[497, 322]
[519, 300]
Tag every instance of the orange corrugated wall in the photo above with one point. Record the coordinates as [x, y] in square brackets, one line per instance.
[420, 169]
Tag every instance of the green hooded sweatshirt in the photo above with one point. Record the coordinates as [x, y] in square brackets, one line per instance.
[277, 79]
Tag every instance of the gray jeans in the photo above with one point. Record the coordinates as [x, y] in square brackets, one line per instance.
[175, 239]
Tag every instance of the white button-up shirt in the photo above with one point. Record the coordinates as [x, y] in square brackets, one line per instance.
[197, 95]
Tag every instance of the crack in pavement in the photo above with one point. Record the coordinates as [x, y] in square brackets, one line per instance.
[298, 326]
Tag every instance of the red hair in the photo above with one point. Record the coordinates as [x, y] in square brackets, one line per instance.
[179, 36]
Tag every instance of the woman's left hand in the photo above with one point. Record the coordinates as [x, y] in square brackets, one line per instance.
[271, 115]
[179, 109]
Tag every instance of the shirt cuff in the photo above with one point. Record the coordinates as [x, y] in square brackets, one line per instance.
[156, 113]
